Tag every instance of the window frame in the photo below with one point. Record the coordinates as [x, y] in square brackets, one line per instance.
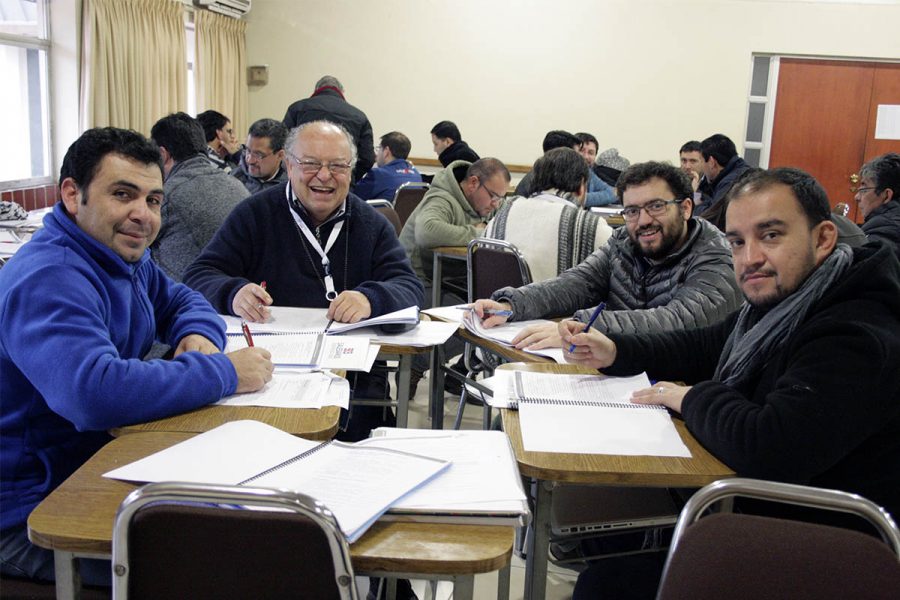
[42, 43]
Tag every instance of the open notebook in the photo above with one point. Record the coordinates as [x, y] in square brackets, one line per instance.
[591, 414]
[291, 319]
[358, 484]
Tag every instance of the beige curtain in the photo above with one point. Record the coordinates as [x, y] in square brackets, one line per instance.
[221, 69]
[134, 65]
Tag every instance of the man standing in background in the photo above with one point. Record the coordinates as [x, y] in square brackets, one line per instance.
[327, 103]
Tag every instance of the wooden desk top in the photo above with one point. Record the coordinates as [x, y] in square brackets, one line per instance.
[450, 251]
[656, 471]
[78, 517]
[312, 424]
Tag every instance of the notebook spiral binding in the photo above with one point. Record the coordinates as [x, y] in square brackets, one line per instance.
[289, 461]
[587, 403]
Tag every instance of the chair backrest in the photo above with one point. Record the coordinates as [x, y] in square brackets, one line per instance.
[387, 209]
[739, 556]
[493, 264]
[407, 198]
[207, 541]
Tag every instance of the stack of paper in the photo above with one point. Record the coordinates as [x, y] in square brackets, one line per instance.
[482, 485]
[358, 484]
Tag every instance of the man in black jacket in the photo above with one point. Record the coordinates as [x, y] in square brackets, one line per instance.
[721, 169]
[800, 385]
[327, 103]
[448, 144]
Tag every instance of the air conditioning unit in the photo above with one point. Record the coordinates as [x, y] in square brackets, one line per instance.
[232, 8]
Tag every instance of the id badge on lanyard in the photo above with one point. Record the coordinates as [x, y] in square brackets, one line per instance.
[328, 280]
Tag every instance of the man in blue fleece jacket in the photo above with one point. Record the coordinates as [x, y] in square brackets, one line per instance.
[80, 305]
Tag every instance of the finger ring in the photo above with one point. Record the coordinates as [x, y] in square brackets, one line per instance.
[660, 390]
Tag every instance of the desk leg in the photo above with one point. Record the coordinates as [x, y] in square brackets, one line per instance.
[463, 587]
[436, 281]
[68, 579]
[539, 548]
[404, 369]
[436, 389]
[503, 583]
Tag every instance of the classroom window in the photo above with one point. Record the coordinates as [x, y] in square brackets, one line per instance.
[758, 133]
[24, 48]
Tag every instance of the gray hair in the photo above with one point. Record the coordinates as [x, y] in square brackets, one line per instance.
[296, 131]
[329, 80]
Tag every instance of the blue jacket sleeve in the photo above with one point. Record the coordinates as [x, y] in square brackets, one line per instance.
[63, 317]
[599, 193]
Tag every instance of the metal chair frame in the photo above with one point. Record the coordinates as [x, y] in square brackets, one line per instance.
[524, 275]
[205, 494]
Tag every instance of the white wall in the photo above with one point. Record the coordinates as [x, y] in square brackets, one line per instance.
[642, 75]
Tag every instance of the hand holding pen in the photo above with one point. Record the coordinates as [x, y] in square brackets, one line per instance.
[252, 303]
[591, 321]
[493, 313]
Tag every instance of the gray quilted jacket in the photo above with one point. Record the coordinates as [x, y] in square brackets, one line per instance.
[692, 287]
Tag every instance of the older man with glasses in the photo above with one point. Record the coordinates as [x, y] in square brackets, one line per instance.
[262, 161]
[664, 270]
[315, 245]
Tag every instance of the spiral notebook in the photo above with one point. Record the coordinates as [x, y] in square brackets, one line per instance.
[358, 484]
[592, 414]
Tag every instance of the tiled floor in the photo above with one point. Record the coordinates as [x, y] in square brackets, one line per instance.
[560, 582]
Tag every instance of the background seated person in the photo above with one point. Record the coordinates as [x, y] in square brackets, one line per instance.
[599, 193]
[80, 304]
[800, 384]
[663, 270]
[878, 197]
[550, 228]
[262, 160]
[449, 145]
[315, 245]
[392, 169]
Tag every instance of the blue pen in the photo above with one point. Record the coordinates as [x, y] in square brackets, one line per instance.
[590, 322]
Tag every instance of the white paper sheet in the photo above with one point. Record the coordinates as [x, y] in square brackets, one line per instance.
[504, 334]
[289, 389]
[427, 333]
[334, 352]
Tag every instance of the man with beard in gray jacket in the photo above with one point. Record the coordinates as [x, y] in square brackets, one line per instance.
[664, 270]
[198, 195]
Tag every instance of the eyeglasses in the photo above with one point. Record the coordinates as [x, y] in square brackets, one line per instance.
[494, 197]
[863, 190]
[312, 167]
[256, 154]
[654, 208]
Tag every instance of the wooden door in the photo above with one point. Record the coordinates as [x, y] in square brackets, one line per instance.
[824, 119]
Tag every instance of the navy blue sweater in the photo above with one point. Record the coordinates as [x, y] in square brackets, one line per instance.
[260, 241]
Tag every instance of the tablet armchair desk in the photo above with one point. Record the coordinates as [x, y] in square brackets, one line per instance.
[601, 469]
[76, 520]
